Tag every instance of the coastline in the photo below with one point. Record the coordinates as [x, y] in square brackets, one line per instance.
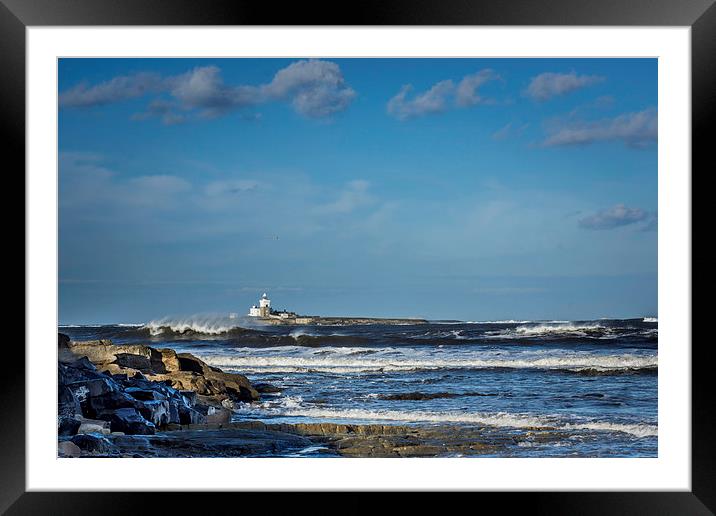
[139, 401]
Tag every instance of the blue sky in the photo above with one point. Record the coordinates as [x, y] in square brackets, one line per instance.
[473, 189]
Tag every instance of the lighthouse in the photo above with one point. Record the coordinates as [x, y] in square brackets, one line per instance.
[264, 308]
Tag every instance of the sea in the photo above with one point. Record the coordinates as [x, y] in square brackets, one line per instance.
[591, 384]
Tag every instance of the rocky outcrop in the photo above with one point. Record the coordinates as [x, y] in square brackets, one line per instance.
[181, 371]
[371, 440]
[106, 391]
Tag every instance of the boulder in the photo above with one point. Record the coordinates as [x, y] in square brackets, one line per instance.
[93, 443]
[139, 362]
[156, 411]
[266, 388]
[131, 422]
[93, 426]
[63, 341]
[188, 362]
[68, 425]
[139, 393]
[68, 449]
[99, 406]
[168, 363]
[191, 416]
[68, 405]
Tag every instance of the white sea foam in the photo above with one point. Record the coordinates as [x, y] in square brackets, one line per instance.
[563, 329]
[651, 319]
[209, 324]
[497, 419]
[354, 360]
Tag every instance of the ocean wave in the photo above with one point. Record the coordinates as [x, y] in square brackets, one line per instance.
[651, 319]
[590, 330]
[295, 408]
[330, 363]
[203, 324]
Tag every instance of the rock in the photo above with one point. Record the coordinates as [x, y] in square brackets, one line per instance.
[156, 411]
[191, 416]
[169, 361]
[218, 416]
[68, 449]
[93, 426]
[190, 396]
[139, 362]
[266, 388]
[67, 403]
[93, 443]
[132, 444]
[68, 425]
[63, 341]
[99, 406]
[141, 394]
[188, 362]
[131, 422]
[94, 387]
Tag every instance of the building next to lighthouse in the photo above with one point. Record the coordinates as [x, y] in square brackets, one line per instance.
[271, 316]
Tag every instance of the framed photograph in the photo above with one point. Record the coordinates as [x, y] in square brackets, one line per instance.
[349, 254]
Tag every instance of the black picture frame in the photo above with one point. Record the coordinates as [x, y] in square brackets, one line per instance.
[700, 15]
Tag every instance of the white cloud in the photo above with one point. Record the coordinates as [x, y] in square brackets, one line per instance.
[634, 129]
[440, 96]
[614, 217]
[466, 93]
[119, 88]
[315, 89]
[548, 85]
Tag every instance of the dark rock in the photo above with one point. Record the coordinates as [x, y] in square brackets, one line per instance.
[188, 362]
[131, 422]
[266, 388]
[93, 443]
[139, 362]
[191, 416]
[99, 406]
[68, 405]
[67, 426]
[190, 396]
[138, 393]
[156, 411]
[63, 341]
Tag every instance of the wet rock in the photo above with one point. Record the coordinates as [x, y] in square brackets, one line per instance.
[93, 443]
[130, 421]
[156, 411]
[68, 425]
[68, 449]
[67, 403]
[266, 388]
[138, 362]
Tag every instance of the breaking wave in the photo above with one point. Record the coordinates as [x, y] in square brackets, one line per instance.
[354, 360]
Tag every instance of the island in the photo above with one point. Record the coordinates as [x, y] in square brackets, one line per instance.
[267, 315]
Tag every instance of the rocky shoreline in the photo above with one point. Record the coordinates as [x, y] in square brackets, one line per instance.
[138, 401]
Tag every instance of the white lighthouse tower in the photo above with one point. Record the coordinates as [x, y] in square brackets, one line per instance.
[264, 308]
